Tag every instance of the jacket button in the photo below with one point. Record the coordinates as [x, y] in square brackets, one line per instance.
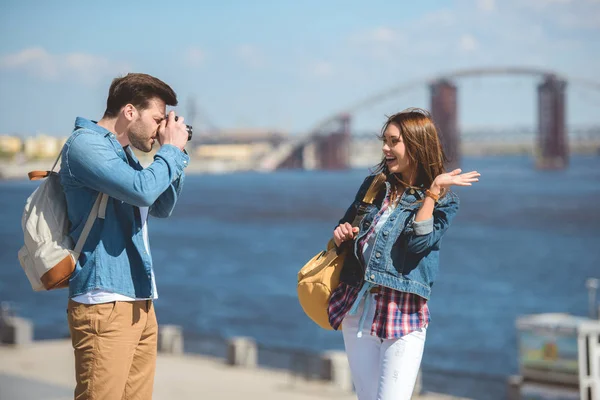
[385, 233]
[372, 276]
[412, 191]
[378, 254]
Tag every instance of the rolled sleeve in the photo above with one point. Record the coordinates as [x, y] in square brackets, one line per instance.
[421, 228]
[424, 235]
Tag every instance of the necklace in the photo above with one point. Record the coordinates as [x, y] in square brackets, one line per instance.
[395, 195]
[406, 185]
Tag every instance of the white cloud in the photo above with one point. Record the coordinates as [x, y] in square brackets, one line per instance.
[546, 3]
[251, 56]
[384, 34]
[378, 42]
[567, 14]
[441, 18]
[322, 69]
[570, 20]
[381, 34]
[24, 57]
[194, 57]
[468, 43]
[38, 62]
[486, 6]
[522, 32]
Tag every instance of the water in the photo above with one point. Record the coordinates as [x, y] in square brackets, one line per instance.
[524, 242]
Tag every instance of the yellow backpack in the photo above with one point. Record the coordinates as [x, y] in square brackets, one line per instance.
[321, 275]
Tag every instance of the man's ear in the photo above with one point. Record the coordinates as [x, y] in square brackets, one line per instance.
[129, 112]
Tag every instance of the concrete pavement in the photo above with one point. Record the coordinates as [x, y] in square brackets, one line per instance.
[45, 370]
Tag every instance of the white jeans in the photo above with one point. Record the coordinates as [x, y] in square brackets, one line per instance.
[382, 369]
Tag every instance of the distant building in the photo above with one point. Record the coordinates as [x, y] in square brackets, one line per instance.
[43, 146]
[10, 145]
[236, 149]
[232, 152]
[243, 136]
[226, 150]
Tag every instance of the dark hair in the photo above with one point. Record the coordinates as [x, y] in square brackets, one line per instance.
[422, 142]
[138, 90]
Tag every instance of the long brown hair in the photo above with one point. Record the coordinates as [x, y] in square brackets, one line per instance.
[422, 142]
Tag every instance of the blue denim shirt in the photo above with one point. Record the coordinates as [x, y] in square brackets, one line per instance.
[114, 257]
[405, 253]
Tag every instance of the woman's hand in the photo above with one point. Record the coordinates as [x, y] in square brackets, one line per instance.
[344, 232]
[455, 177]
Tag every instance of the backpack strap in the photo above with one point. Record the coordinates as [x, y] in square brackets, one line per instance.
[103, 201]
[56, 162]
[102, 207]
[37, 175]
[98, 211]
[374, 189]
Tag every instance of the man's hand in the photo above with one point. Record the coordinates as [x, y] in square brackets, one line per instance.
[172, 132]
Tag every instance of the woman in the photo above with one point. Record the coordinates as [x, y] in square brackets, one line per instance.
[381, 302]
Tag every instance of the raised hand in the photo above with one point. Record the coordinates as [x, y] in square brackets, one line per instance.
[455, 178]
[172, 132]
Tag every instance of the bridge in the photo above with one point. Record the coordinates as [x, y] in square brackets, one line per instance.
[327, 145]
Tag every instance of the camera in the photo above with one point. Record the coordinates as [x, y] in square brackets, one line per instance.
[188, 128]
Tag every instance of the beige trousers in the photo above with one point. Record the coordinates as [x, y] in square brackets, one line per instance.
[115, 349]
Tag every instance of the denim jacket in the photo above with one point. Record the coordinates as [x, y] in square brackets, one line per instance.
[114, 257]
[405, 254]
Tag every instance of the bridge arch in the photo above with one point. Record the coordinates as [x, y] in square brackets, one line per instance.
[551, 92]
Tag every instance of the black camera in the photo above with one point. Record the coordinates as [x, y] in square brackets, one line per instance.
[188, 128]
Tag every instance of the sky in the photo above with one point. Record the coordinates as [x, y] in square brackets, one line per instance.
[287, 65]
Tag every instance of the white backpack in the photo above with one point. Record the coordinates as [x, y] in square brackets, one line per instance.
[48, 256]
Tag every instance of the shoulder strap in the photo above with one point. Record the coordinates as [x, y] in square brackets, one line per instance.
[374, 189]
[98, 211]
[37, 175]
[56, 162]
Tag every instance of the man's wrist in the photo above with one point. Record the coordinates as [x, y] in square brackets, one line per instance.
[174, 145]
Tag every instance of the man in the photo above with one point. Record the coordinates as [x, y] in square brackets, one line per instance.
[111, 315]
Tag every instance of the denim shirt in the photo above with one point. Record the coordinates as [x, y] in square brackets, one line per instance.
[114, 257]
[405, 253]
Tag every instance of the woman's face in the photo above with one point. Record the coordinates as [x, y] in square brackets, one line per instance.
[394, 150]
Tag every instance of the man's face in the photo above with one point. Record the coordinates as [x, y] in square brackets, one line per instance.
[143, 129]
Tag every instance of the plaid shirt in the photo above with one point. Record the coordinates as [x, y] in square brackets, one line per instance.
[396, 313]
